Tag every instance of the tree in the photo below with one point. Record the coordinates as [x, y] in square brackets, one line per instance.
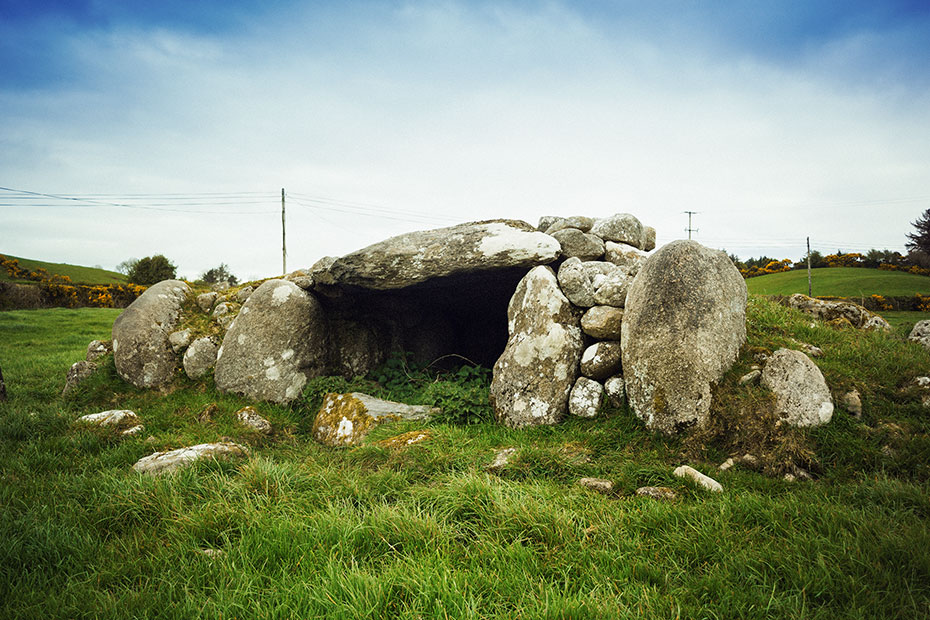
[220, 274]
[151, 270]
[920, 240]
[126, 266]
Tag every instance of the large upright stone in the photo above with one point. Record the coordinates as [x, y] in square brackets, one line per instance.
[684, 323]
[141, 351]
[276, 343]
[533, 377]
[421, 256]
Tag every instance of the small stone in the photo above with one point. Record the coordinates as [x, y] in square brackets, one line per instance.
[602, 322]
[98, 348]
[212, 553]
[206, 301]
[852, 402]
[750, 378]
[77, 373]
[244, 293]
[206, 416]
[705, 482]
[584, 400]
[750, 461]
[615, 387]
[727, 464]
[601, 360]
[114, 417]
[173, 460]
[597, 484]
[789, 478]
[179, 340]
[200, 357]
[660, 493]
[220, 310]
[250, 418]
[135, 430]
[501, 460]
[405, 439]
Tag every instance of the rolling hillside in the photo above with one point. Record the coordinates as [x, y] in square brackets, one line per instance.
[78, 274]
[841, 282]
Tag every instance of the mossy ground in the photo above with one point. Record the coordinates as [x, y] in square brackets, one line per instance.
[424, 531]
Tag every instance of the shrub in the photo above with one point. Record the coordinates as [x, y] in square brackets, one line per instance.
[151, 270]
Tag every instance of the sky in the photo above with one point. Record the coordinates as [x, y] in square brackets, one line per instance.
[132, 128]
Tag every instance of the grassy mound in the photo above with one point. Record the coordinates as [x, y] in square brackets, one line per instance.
[78, 274]
[849, 282]
[425, 531]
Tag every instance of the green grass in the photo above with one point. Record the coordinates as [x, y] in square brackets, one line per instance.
[78, 274]
[425, 532]
[849, 282]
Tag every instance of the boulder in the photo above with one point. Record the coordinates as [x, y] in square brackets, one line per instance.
[602, 322]
[244, 293]
[625, 256]
[684, 323]
[615, 388]
[620, 228]
[179, 340]
[200, 357]
[838, 311]
[276, 343]
[118, 418]
[421, 256]
[594, 283]
[585, 398]
[169, 461]
[206, 300]
[649, 239]
[601, 360]
[345, 419]
[141, 351]
[77, 373]
[250, 418]
[578, 244]
[579, 222]
[534, 375]
[921, 333]
[97, 349]
[222, 309]
[802, 397]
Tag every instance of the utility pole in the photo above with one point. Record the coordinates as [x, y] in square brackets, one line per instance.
[283, 239]
[689, 229]
[809, 267]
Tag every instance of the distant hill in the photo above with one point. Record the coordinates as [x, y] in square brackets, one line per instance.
[841, 282]
[78, 274]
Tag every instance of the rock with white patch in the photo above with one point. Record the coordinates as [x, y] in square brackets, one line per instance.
[684, 323]
[583, 246]
[920, 333]
[599, 485]
[116, 418]
[584, 400]
[533, 377]
[346, 419]
[276, 343]
[620, 228]
[97, 349]
[179, 340]
[594, 283]
[173, 460]
[625, 256]
[250, 418]
[200, 357]
[422, 256]
[802, 397]
[77, 373]
[141, 351]
[830, 310]
[615, 388]
[705, 482]
[601, 360]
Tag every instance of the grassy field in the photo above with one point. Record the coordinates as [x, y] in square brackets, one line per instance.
[426, 532]
[849, 282]
[78, 274]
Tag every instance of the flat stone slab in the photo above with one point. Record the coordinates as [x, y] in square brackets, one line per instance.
[173, 460]
[345, 419]
[114, 417]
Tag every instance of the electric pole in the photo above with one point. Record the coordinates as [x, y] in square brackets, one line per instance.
[809, 267]
[283, 239]
[689, 229]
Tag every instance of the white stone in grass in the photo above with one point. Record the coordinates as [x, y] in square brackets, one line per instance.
[501, 459]
[115, 417]
[135, 430]
[585, 398]
[705, 482]
[660, 493]
[597, 484]
[250, 418]
[173, 460]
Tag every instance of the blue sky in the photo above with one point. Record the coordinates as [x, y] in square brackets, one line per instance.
[773, 120]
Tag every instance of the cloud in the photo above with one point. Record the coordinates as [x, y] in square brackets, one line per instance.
[467, 111]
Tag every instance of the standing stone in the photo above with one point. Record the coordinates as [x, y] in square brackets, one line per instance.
[200, 357]
[602, 322]
[585, 398]
[601, 360]
[620, 228]
[276, 343]
[684, 323]
[533, 377]
[141, 351]
[802, 397]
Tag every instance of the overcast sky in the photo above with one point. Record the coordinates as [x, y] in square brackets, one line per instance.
[177, 123]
